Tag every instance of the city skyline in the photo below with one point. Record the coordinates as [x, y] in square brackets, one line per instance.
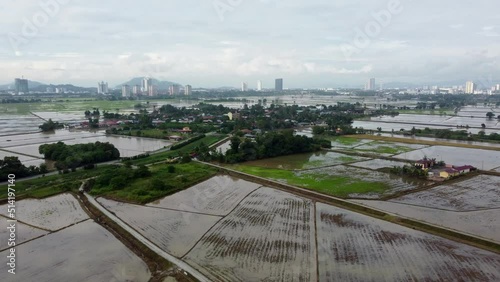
[210, 48]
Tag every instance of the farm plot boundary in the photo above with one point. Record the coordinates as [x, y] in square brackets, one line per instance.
[407, 222]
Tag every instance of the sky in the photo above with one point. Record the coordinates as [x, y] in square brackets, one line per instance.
[213, 43]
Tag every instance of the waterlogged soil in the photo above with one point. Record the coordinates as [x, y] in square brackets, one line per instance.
[23, 233]
[485, 224]
[388, 148]
[216, 196]
[83, 252]
[364, 178]
[26, 160]
[482, 159]
[377, 164]
[306, 161]
[477, 193]
[173, 231]
[128, 146]
[354, 247]
[52, 213]
[268, 237]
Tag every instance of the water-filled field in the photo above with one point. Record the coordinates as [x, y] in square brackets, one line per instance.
[53, 213]
[483, 223]
[83, 252]
[216, 196]
[482, 159]
[128, 146]
[23, 233]
[173, 231]
[354, 247]
[478, 193]
[377, 164]
[306, 161]
[268, 237]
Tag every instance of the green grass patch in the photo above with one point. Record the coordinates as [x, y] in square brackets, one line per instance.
[161, 183]
[335, 185]
[347, 141]
[54, 184]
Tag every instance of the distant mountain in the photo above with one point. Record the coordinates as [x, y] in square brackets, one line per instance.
[42, 87]
[162, 85]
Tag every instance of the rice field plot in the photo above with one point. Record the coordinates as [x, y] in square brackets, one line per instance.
[377, 164]
[361, 183]
[216, 196]
[83, 252]
[477, 193]
[388, 148]
[485, 224]
[52, 213]
[306, 161]
[482, 159]
[348, 142]
[173, 231]
[355, 247]
[23, 233]
[268, 237]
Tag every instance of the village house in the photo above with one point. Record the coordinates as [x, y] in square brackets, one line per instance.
[425, 163]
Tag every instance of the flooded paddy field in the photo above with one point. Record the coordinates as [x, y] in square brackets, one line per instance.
[355, 247]
[482, 159]
[128, 146]
[62, 116]
[486, 144]
[306, 161]
[387, 148]
[24, 233]
[377, 164]
[268, 237]
[173, 231]
[83, 252]
[53, 213]
[478, 193]
[483, 223]
[18, 124]
[348, 142]
[361, 183]
[216, 196]
[26, 160]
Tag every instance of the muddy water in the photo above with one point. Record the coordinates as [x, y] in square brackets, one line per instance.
[378, 164]
[268, 237]
[354, 247]
[443, 140]
[216, 196]
[173, 231]
[306, 161]
[84, 252]
[52, 213]
[482, 159]
[485, 224]
[17, 124]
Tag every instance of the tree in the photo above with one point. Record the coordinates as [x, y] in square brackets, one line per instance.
[50, 126]
[490, 115]
[318, 130]
[483, 125]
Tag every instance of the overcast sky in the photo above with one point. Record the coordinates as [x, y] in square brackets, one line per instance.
[210, 43]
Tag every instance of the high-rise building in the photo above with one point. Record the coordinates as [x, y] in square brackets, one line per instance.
[126, 91]
[136, 90]
[244, 87]
[470, 87]
[146, 84]
[278, 84]
[102, 88]
[50, 90]
[497, 88]
[259, 85]
[152, 90]
[174, 90]
[188, 90]
[371, 84]
[21, 85]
